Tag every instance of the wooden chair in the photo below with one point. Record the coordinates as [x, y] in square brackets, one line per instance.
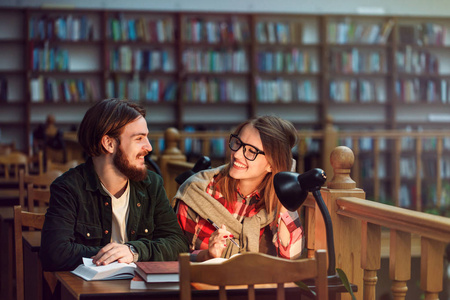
[41, 196]
[36, 182]
[11, 163]
[254, 268]
[63, 167]
[23, 219]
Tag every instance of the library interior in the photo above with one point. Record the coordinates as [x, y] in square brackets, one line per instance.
[366, 84]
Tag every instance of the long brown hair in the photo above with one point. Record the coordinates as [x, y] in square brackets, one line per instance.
[278, 136]
[106, 117]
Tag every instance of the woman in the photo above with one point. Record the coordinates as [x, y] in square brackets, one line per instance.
[240, 198]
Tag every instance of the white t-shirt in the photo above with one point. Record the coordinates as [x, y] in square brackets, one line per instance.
[120, 211]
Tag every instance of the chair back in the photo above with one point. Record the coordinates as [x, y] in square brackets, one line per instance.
[23, 219]
[36, 183]
[63, 167]
[39, 196]
[11, 163]
[254, 268]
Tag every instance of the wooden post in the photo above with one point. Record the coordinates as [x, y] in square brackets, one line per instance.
[399, 262]
[330, 141]
[370, 258]
[170, 154]
[347, 231]
[431, 262]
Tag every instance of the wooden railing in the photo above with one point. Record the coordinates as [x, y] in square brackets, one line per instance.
[385, 155]
[357, 225]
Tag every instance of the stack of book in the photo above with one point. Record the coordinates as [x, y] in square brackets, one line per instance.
[156, 275]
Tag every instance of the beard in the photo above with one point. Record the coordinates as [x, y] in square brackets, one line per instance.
[123, 165]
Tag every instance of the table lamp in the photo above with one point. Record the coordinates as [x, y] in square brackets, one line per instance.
[292, 190]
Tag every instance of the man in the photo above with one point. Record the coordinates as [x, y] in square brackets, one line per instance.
[110, 208]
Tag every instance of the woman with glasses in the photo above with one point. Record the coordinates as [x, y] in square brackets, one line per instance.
[234, 208]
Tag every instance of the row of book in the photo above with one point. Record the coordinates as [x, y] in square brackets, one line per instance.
[408, 168]
[416, 61]
[349, 31]
[218, 146]
[126, 59]
[69, 27]
[419, 90]
[150, 90]
[364, 143]
[214, 90]
[427, 33]
[350, 91]
[290, 61]
[218, 31]
[50, 59]
[140, 29]
[356, 61]
[44, 89]
[215, 61]
[282, 90]
[367, 168]
[271, 32]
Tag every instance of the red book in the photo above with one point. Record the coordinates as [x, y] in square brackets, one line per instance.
[158, 271]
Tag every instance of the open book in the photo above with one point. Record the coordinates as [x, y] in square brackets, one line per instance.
[89, 271]
[218, 260]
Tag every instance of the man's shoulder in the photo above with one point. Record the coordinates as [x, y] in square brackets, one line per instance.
[73, 175]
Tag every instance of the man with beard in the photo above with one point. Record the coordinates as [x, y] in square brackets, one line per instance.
[110, 208]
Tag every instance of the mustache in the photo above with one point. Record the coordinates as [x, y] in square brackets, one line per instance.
[143, 153]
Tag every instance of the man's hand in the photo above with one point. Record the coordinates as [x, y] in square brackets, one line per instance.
[111, 253]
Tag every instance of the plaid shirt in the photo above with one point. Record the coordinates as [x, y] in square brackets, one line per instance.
[199, 230]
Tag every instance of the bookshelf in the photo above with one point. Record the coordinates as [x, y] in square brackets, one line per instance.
[211, 71]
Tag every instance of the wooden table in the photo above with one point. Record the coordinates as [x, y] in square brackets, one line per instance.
[74, 287]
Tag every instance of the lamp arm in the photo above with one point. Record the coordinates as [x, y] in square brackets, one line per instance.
[329, 232]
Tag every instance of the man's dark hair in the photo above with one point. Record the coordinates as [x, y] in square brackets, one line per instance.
[106, 117]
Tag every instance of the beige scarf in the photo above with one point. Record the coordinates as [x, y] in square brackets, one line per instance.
[193, 193]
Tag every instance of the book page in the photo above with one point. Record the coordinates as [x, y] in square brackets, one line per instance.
[218, 260]
[90, 271]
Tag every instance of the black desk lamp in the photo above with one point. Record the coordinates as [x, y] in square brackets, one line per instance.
[292, 190]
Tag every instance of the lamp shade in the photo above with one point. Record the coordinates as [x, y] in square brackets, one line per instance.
[292, 188]
[288, 190]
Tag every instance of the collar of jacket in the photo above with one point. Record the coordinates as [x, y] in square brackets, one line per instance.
[93, 181]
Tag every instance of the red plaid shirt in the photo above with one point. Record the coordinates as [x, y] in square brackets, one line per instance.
[198, 230]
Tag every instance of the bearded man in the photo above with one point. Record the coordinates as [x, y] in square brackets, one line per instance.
[110, 208]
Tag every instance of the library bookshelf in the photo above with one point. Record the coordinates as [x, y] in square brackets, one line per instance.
[199, 71]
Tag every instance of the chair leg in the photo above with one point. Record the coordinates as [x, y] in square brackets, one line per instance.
[251, 292]
[51, 280]
[280, 291]
[222, 293]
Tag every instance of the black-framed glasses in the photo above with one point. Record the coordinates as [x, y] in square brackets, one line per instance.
[250, 152]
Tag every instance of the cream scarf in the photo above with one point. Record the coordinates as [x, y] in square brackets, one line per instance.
[193, 193]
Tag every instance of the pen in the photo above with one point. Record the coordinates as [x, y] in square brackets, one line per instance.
[217, 227]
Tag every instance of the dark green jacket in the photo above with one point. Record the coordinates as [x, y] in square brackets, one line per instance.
[78, 220]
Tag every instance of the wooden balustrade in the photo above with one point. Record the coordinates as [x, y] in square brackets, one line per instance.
[385, 153]
[357, 226]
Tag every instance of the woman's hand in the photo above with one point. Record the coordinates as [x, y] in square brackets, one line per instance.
[218, 242]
